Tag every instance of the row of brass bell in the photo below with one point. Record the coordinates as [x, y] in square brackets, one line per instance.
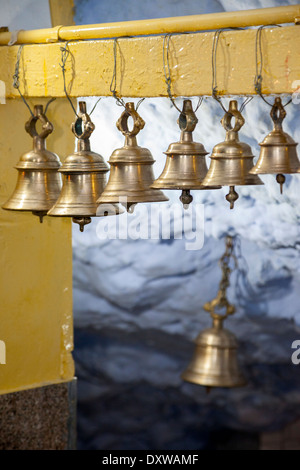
[231, 160]
[39, 187]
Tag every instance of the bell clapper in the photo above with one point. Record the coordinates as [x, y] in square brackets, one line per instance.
[40, 214]
[130, 207]
[82, 221]
[186, 198]
[207, 389]
[232, 196]
[280, 178]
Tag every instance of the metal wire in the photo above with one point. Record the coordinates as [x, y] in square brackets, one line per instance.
[113, 83]
[65, 52]
[214, 92]
[244, 104]
[258, 51]
[167, 71]
[16, 83]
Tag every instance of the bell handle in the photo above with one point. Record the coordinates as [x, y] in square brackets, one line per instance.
[30, 126]
[211, 306]
[187, 120]
[277, 113]
[83, 127]
[239, 120]
[122, 123]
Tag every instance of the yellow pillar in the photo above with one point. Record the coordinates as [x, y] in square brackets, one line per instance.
[36, 265]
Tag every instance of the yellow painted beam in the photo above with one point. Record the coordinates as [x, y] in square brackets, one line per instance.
[140, 65]
[36, 266]
[62, 12]
[210, 21]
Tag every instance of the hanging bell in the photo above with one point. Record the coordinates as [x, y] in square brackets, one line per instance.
[278, 154]
[215, 361]
[84, 177]
[185, 166]
[39, 183]
[131, 173]
[231, 160]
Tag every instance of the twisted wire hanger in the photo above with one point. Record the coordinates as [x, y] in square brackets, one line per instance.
[16, 83]
[258, 68]
[113, 83]
[214, 85]
[167, 71]
[65, 52]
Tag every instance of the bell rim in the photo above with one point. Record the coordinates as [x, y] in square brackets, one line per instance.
[210, 381]
[88, 169]
[275, 172]
[45, 208]
[132, 161]
[42, 166]
[187, 185]
[250, 183]
[106, 199]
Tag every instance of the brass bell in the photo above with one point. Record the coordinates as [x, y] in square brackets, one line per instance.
[185, 166]
[231, 160]
[131, 173]
[84, 177]
[39, 183]
[278, 152]
[215, 361]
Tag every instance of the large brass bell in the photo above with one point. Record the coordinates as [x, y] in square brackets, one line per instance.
[131, 173]
[231, 160]
[215, 361]
[278, 154]
[84, 177]
[185, 166]
[39, 183]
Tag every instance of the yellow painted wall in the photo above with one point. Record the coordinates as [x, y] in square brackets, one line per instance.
[36, 265]
[140, 65]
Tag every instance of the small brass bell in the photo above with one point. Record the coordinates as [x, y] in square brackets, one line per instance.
[231, 160]
[84, 177]
[131, 173]
[39, 183]
[278, 154]
[185, 166]
[215, 361]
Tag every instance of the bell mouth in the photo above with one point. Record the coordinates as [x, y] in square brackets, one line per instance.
[217, 380]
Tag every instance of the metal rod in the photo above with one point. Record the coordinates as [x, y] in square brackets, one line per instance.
[211, 21]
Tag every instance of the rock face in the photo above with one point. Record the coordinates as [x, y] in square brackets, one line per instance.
[138, 302]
